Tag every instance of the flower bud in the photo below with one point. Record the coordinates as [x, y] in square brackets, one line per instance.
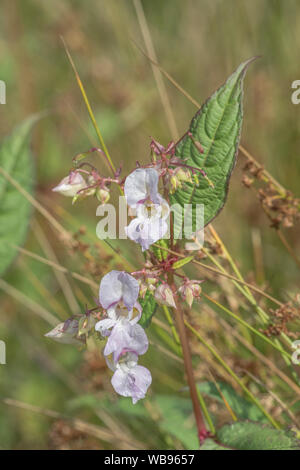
[103, 195]
[174, 184]
[188, 295]
[148, 264]
[184, 175]
[151, 281]
[190, 290]
[143, 289]
[179, 176]
[70, 185]
[86, 324]
[88, 190]
[66, 332]
[164, 295]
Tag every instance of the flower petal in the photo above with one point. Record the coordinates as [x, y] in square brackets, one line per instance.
[140, 185]
[103, 326]
[158, 210]
[130, 288]
[147, 231]
[132, 384]
[116, 286]
[125, 336]
[135, 314]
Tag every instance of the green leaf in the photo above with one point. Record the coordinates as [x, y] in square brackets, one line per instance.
[161, 254]
[210, 444]
[255, 436]
[177, 419]
[149, 305]
[178, 264]
[15, 159]
[217, 126]
[243, 408]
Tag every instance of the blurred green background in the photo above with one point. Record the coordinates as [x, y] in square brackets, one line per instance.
[199, 42]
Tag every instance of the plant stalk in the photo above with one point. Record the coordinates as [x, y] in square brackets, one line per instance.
[201, 427]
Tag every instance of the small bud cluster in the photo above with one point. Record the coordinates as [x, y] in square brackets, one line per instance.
[280, 319]
[80, 184]
[190, 290]
[75, 330]
[280, 206]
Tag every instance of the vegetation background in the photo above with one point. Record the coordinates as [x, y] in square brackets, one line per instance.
[199, 42]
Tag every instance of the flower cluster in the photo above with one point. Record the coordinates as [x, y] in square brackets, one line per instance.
[126, 338]
[117, 316]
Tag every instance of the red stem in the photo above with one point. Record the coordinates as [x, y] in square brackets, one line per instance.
[202, 431]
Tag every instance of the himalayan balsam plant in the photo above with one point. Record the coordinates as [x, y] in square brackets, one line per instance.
[191, 172]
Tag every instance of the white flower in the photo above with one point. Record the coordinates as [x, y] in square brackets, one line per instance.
[141, 192]
[118, 296]
[70, 185]
[130, 379]
[126, 336]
